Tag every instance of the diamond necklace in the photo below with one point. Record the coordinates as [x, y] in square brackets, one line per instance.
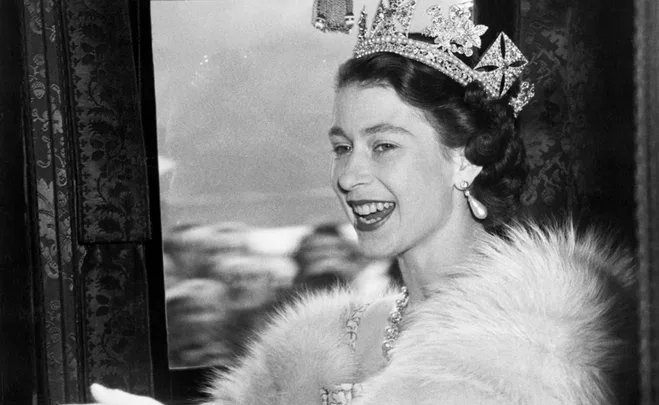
[393, 329]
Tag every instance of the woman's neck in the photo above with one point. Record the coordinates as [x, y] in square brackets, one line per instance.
[426, 263]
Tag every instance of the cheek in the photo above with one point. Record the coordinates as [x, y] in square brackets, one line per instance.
[430, 186]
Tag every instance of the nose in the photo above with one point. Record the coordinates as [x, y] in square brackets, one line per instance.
[351, 172]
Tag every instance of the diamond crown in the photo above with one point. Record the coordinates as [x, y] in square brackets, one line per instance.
[455, 34]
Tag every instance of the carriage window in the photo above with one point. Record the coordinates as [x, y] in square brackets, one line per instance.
[244, 92]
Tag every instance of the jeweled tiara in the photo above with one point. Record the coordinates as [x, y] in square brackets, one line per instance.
[497, 70]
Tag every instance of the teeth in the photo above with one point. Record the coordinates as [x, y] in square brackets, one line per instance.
[369, 221]
[371, 208]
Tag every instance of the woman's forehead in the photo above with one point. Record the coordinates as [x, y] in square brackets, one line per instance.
[373, 109]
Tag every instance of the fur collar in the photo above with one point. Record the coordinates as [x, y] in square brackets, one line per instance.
[541, 317]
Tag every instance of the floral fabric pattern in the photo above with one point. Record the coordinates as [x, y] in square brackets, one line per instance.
[110, 142]
[52, 173]
[85, 145]
[574, 135]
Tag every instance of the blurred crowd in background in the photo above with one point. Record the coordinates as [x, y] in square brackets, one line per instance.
[224, 281]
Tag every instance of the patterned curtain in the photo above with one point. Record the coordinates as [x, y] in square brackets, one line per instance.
[579, 127]
[87, 165]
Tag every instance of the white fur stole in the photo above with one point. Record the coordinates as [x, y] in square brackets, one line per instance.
[543, 318]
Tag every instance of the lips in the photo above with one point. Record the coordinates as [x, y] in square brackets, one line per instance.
[371, 214]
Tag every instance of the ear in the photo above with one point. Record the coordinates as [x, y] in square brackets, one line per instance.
[465, 170]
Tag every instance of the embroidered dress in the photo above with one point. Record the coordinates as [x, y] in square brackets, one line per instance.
[342, 394]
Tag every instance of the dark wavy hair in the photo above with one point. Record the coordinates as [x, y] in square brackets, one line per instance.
[463, 116]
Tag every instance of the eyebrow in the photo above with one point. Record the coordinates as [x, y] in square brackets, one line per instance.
[375, 129]
[379, 128]
[336, 131]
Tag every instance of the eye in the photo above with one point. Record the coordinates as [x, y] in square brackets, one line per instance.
[341, 149]
[383, 147]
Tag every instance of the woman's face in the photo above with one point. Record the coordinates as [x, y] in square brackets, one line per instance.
[394, 180]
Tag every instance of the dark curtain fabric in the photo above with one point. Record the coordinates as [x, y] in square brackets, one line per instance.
[87, 181]
[16, 343]
[578, 129]
[647, 193]
[110, 142]
[49, 138]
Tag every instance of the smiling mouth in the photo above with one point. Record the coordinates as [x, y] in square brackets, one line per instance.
[370, 215]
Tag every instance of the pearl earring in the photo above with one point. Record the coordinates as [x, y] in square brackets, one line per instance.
[477, 207]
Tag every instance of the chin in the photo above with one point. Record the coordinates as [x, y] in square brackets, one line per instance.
[375, 249]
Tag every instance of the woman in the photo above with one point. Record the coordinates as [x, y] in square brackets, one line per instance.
[428, 167]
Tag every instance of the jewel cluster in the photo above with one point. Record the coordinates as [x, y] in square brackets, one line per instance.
[456, 34]
[342, 394]
[395, 317]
